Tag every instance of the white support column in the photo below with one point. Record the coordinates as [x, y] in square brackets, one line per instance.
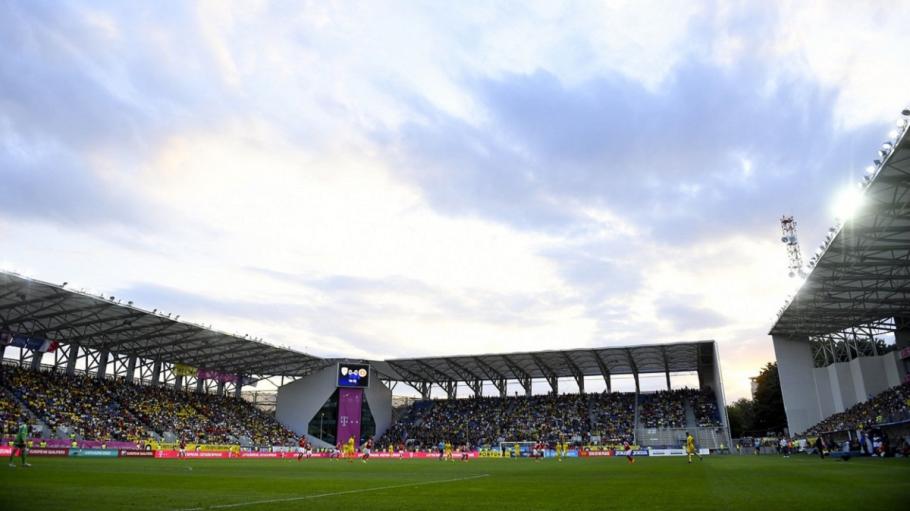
[795, 366]
[156, 373]
[131, 369]
[238, 387]
[36, 360]
[73, 357]
[103, 357]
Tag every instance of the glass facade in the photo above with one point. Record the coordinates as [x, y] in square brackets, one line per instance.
[324, 425]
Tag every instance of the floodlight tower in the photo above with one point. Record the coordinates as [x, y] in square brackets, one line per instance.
[789, 238]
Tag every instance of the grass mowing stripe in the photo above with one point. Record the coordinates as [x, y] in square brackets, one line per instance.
[331, 494]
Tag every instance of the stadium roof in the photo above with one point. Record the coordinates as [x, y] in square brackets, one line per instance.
[656, 358]
[50, 311]
[41, 309]
[863, 275]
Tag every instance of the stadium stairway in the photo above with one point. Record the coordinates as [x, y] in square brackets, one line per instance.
[691, 421]
[11, 396]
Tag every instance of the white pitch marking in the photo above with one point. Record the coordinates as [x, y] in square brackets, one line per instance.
[332, 494]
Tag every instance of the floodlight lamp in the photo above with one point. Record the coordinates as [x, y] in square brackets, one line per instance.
[892, 135]
[792, 274]
[878, 163]
[870, 169]
[848, 202]
[887, 147]
[902, 123]
[906, 111]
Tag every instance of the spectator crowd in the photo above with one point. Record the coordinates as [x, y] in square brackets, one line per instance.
[891, 405]
[605, 418]
[106, 409]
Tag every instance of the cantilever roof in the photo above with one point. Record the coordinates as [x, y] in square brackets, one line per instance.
[41, 309]
[864, 274]
[656, 358]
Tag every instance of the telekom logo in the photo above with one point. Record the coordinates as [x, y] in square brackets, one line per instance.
[343, 420]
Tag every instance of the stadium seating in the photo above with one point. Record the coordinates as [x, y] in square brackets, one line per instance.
[605, 418]
[11, 414]
[667, 409]
[891, 405]
[106, 409]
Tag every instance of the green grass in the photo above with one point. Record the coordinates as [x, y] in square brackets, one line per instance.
[764, 483]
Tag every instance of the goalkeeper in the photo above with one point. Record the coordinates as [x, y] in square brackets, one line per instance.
[20, 444]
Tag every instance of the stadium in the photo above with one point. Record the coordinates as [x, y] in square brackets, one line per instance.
[109, 404]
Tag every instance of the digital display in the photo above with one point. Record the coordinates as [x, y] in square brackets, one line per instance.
[353, 375]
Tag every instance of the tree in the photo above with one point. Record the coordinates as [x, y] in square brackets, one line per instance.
[741, 415]
[769, 402]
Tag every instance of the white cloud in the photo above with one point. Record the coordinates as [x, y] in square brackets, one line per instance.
[263, 153]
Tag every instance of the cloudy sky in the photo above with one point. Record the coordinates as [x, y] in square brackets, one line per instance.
[384, 179]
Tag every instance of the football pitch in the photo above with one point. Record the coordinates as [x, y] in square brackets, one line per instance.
[764, 483]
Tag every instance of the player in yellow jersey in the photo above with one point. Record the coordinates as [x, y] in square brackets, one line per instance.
[349, 449]
[448, 451]
[516, 451]
[391, 451]
[690, 447]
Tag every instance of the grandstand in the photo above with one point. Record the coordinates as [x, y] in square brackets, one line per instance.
[92, 369]
[830, 338]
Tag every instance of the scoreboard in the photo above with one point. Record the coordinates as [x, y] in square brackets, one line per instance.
[353, 375]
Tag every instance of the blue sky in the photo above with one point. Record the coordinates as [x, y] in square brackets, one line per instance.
[383, 179]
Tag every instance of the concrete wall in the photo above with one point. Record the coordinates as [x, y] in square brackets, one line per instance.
[893, 368]
[298, 402]
[379, 399]
[845, 377]
[823, 391]
[795, 365]
[812, 394]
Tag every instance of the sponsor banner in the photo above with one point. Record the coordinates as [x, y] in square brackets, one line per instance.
[675, 452]
[38, 451]
[273, 455]
[124, 453]
[184, 370]
[612, 452]
[41, 451]
[193, 454]
[667, 452]
[209, 374]
[418, 455]
[94, 453]
[350, 404]
[173, 446]
[490, 454]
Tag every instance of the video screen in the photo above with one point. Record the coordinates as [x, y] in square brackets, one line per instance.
[353, 375]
